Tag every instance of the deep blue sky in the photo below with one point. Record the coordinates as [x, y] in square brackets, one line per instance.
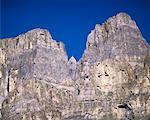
[69, 21]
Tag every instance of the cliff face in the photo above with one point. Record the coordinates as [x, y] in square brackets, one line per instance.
[110, 81]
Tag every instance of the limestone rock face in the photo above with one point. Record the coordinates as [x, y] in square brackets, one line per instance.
[118, 38]
[110, 81]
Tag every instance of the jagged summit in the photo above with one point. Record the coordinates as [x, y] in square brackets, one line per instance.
[117, 38]
[72, 60]
[122, 19]
[102, 41]
[40, 32]
[110, 81]
[113, 24]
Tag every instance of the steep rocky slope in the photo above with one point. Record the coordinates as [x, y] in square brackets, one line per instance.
[110, 82]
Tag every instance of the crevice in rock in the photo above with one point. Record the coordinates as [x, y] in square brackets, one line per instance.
[17, 41]
[42, 34]
[86, 76]
[106, 74]
[78, 91]
[125, 106]
[99, 76]
[8, 82]
[136, 77]
[122, 70]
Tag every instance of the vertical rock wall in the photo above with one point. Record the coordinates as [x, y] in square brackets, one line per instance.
[110, 81]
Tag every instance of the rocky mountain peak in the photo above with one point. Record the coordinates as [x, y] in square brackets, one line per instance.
[123, 19]
[41, 36]
[39, 31]
[117, 38]
[110, 81]
[72, 60]
[44, 38]
[113, 25]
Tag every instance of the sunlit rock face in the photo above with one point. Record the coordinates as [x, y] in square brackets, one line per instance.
[117, 38]
[110, 82]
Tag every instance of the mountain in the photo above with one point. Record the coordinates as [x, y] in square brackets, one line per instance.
[110, 82]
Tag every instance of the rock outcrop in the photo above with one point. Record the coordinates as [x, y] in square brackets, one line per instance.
[110, 82]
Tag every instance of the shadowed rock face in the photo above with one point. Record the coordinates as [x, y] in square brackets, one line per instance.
[110, 81]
